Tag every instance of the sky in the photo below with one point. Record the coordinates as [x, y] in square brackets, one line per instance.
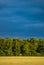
[22, 18]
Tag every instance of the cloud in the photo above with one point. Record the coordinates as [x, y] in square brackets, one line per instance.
[34, 25]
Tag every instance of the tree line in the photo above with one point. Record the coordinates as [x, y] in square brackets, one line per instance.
[21, 47]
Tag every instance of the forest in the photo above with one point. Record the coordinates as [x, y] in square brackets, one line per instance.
[21, 47]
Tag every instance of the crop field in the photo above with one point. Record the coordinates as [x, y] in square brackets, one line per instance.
[21, 60]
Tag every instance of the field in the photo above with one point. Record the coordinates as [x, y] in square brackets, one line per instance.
[21, 60]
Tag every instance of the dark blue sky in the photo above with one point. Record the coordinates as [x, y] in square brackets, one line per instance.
[22, 18]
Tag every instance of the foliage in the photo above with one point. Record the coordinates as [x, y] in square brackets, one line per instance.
[21, 47]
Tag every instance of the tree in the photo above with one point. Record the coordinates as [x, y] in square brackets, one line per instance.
[40, 48]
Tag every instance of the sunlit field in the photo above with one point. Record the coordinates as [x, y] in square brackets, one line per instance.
[21, 60]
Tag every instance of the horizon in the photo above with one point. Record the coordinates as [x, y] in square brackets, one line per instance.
[22, 18]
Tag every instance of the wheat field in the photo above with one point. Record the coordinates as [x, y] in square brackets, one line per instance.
[21, 60]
